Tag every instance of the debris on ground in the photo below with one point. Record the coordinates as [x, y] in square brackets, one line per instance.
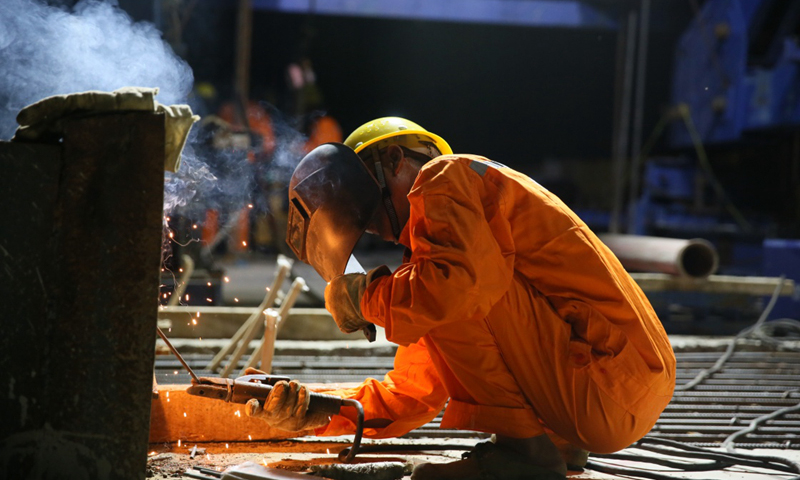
[361, 471]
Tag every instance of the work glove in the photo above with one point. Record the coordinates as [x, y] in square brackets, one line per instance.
[343, 298]
[286, 407]
[43, 121]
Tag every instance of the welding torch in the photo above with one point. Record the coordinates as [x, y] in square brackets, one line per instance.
[242, 389]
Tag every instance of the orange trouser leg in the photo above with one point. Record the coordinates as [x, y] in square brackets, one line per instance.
[484, 395]
[520, 353]
[536, 347]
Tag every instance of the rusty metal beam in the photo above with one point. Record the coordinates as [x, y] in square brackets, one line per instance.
[79, 291]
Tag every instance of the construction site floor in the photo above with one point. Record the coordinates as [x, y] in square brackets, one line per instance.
[172, 462]
[757, 380]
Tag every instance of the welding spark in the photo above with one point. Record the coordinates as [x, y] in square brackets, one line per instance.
[249, 437]
[235, 299]
[184, 414]
[179, 442]
[152, 453]
[226, 445]
[264, 462]
[180, 269]
[187, 297]
[198, 314]
[167, 394]
[208, 456]
[194, 321]
[208, 300]
[329, 450]
[194, 227]
[171, 235]
[237, 413]
[226, 279]
[249, 205]
[176, 372]
[244, 244]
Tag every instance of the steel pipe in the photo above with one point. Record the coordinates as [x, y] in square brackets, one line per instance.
[695, 258]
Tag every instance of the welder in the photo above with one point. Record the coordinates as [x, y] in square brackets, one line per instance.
[506, 307]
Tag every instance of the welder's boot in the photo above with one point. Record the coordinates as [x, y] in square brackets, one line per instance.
[574, 457]
[486, 461]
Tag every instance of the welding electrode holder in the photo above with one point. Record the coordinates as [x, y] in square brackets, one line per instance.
[242, 389]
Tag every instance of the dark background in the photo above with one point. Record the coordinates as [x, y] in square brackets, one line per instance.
[516, 94]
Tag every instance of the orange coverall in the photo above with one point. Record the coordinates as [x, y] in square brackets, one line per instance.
[510, 307]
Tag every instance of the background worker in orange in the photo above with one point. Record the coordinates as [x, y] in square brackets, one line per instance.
[506, 304]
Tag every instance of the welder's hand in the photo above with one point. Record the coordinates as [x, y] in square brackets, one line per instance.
[286, 408]
[343, 298]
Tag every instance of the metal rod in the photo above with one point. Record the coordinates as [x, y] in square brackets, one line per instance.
[638, 114]
[248, 327]
[621, 140]
[696, 258]
[298, 285]
[188, 270]
[175, 351]
[268, 345]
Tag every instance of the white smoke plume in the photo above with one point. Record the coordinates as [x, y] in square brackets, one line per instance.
[47, 50]
[50, 50]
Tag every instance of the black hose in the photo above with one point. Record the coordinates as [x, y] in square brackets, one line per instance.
[732, 345]
[682, 466]
[737, 458]
[753, 426]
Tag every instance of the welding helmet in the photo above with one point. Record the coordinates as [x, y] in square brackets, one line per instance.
[332, 199]
[385, 131]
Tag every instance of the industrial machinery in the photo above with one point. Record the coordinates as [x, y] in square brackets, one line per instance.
[736, 67]
[734, 178]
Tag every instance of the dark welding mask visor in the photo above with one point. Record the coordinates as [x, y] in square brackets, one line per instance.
[332, 199]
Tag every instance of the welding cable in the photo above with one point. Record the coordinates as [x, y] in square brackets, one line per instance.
[753, 426]
[677, 465]
[691, 451]
[637, 473]
[767, 332]
[720, 461]
[732, 345]
[629, 472]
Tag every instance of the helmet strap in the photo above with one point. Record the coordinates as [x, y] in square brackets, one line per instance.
[386, 196]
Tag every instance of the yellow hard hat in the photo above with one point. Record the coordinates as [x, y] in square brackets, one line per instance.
[395, 130]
